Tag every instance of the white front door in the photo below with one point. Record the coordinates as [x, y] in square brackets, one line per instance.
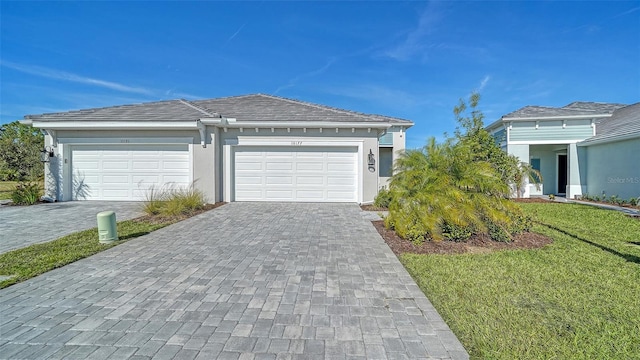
[302, 174]
[126, 172]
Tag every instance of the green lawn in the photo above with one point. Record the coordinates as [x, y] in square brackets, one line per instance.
[25, 263]
[578, 298]
[6, 187]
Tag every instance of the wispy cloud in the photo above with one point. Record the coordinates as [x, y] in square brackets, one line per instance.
[382, 95]
[484, 82]
[294, 81]
[235, 33]
[71, 77]
[416, 40]
[172, 94]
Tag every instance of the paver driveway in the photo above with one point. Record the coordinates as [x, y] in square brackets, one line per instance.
[22, 226]
[247, 280]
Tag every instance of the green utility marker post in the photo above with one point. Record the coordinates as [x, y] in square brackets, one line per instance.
[107, 230]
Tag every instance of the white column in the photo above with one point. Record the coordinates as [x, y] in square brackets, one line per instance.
[574, 185]
[522, 152]
[226, 184]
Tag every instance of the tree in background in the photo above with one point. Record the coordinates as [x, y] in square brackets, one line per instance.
[471, 132]
[20, 147]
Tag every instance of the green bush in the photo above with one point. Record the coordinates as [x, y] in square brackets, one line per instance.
[498, 233]
[169, 201]
[383, 199]
[633, 201]
[456, 233]
[26, 193]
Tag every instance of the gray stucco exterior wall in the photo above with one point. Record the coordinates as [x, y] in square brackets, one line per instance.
[614, 169]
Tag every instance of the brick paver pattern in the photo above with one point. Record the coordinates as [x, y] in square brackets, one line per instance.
[244, 281]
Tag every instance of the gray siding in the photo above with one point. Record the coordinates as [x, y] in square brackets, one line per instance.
[613, 168]
[550, 130]
[500, 136]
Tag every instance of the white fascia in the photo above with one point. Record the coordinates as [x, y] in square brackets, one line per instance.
[299, 124]
[544, 142]
[565, 117]
[115, 125]
[545, 118]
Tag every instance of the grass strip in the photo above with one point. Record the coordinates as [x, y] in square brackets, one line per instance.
[25, 263]
[578, 298]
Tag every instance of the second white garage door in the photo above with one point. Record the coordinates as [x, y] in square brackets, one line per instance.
[303, 174]
[126, 172]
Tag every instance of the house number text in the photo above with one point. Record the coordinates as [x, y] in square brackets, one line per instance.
[124, 141]
[296, 143]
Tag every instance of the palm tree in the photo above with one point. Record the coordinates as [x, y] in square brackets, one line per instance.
[440, 185]
[525, 174]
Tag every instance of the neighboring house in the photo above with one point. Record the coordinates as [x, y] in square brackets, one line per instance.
[582, 148]
[242, 148]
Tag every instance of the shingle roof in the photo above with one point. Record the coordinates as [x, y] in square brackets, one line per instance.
[257, 107]
[624, 122]
[261, 107]
[169, 110]
[575, 108]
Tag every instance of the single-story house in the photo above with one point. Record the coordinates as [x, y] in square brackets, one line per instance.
[582, 148]
[242, 148]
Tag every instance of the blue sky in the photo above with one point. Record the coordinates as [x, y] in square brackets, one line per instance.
[412, 60]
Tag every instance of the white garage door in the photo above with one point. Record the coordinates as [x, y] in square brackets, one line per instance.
[125, 172]
[296, 174]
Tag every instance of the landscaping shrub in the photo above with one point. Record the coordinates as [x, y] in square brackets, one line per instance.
[26, 193]
[456, 233]
[171, 201]
[457, 188]
[383, 199]
[633, 201]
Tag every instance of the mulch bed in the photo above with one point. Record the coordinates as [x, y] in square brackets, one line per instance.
[475, 245]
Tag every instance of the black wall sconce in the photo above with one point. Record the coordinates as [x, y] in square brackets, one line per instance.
[372, 161]
[46, 153]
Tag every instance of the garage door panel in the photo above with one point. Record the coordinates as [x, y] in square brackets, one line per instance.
[144, 165]
[340, 167]
[277, 165]
[337, 195]
[310, 195]
[87, 165]
[309, 180]
[279, 180]
[283, 194]
[126, 172]
[115, 165]
[302, 174]
[310, 166]
[249, 180]
[175, 165]
[248, 166]
[175, 180]
[341, 180]
[115, 179]
[146, 179]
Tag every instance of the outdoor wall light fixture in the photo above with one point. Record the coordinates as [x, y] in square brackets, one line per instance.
[46, 153]
[372, 161]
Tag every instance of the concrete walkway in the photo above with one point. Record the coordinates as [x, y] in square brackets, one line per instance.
[247, 280]
[22, 226]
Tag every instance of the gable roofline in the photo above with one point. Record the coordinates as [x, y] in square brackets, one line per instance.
[623, 125]
[573, 111]
[365, 117]
[184, 111]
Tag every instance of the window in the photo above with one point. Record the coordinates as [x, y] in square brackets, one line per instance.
[535, 164]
